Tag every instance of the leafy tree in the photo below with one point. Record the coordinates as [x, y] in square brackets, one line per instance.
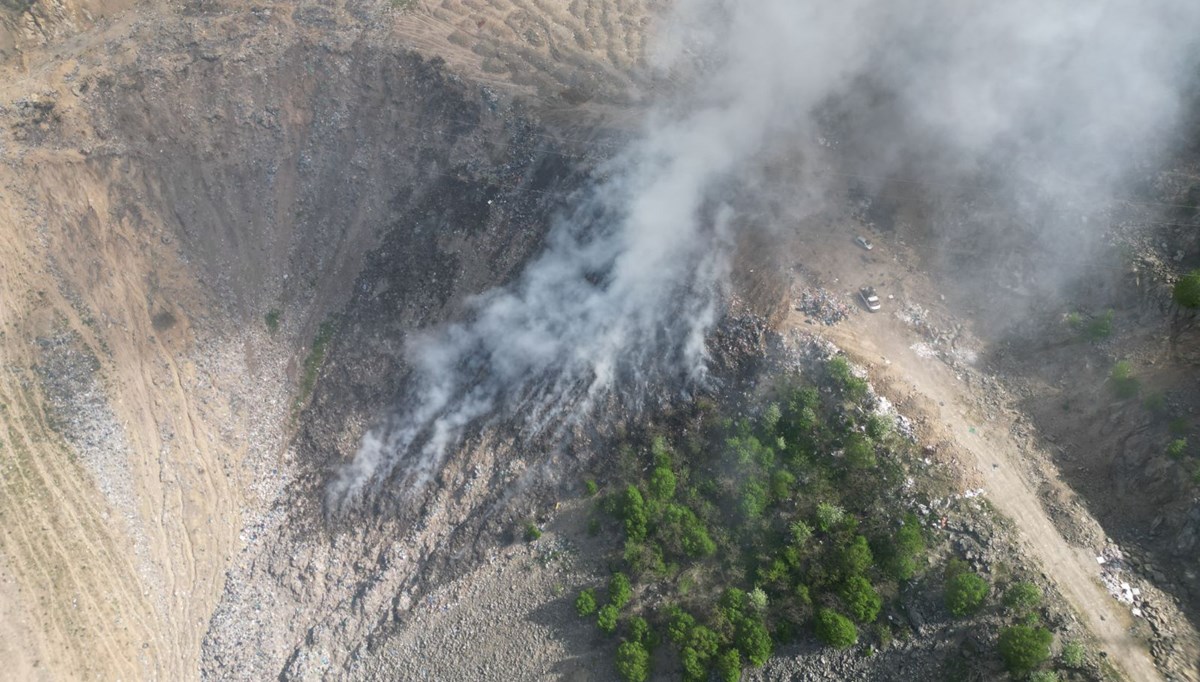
[757, 599]
[829, 516]
[679, 625]
[771, 417]
[906, 547]
[1072, 654]
[696, 540]
[835, 629]
[694, 669]
[965, 593]
[729, 666]
[662, 483]
[644, 557]
[681, 530]
[640, 632]
[1186, 293]
[754, 499]
[861, 599]
[585, 603]
[782, 482]
[753, 641]
[633, 512]
[855, 558]
[619, 590]
[860, 453]
[633, 662]
[606, 619]
[843, 376]
[1024, 647]
[801, 532]
[704, 641]
[1023, 597]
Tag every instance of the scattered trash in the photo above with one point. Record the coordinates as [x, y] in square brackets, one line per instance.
[823, 306]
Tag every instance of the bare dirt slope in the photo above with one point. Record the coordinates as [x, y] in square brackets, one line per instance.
[173, 176]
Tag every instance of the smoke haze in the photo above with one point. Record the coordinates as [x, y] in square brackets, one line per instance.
[1051, 100]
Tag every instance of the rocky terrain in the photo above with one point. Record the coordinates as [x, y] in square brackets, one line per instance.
[220, 224]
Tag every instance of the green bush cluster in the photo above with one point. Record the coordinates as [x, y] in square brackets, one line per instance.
[1025, 647]
[760, 530]
[965, 593]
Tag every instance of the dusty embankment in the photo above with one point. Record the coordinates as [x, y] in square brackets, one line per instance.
[172, 181]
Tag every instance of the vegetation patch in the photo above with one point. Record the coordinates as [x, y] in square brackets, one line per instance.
[754, 531]
[313, 362]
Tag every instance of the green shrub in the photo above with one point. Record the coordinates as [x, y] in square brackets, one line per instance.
[1187, 291]
[640, 632]
[679, 625]
[855, 558]
[1024, 648]
[757, 599]
[1124, 384]
[907, 546]
[829, 516]
[703, 641]
[782, 482]
[853, 388]
[591, 487]
[753, 641]
[835, 629]
[1099, 327]
[1177, 448]
[633, 662]
[1156, 402]
[801, 533]
[532, 532]
[692, 662]
[860, 453]
[1023, 597]
[606, 619]
[619, 590]
[585, 603]
[272, 319]
[965, 593]
[644, 558]
[754, 499]
[634, 514]
[729, 666]
[1178, 426]
[879, 426]
[1072, 654]
[861, 599]
[1043, 676]
[662, 484]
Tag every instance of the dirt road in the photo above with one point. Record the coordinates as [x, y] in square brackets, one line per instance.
[885, 343]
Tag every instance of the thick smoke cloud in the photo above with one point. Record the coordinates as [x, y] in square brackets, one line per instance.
[1055, 95]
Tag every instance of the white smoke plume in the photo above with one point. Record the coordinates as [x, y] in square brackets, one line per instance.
[1057, 94]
